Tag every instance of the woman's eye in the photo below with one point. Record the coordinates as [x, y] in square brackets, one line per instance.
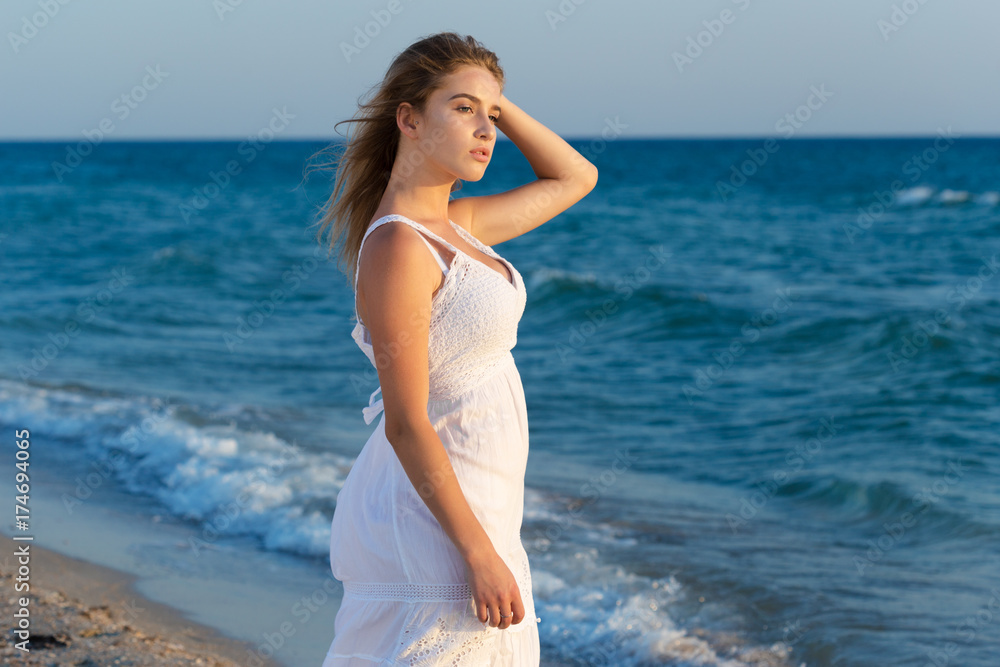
[492, 118]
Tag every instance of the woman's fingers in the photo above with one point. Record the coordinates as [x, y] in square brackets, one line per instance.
[496, 596]
[482, 612]
[516, 608]
[505, 618]
[488, 613]
[501, 616]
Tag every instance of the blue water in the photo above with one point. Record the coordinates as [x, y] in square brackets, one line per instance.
[764, 418]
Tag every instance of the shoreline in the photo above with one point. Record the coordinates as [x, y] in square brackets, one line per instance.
[83, 612]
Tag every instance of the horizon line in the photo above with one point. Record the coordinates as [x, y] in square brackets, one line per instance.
[305, 139]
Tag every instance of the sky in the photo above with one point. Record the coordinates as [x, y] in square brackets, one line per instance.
[225, 69]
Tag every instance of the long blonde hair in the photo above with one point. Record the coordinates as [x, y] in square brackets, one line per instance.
[364, 167]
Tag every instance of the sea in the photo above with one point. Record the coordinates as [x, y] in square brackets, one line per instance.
[762, 380]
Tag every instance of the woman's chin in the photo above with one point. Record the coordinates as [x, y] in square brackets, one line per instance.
[474, 176]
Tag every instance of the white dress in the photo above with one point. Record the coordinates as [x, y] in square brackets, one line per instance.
[406, 595]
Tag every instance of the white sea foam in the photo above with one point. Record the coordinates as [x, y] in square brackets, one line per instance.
[230, 481]
[914, 196]
[924, 194]
[948, 196]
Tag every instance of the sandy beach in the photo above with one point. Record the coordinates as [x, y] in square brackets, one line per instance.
[85, 614]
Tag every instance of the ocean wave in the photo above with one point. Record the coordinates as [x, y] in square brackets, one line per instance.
[915, 196]
[925, 194]
[927, 504]
[179, 261]
[597, 612]
[229, 480]
[236, 481]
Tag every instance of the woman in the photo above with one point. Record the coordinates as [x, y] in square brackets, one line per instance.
[426, 532]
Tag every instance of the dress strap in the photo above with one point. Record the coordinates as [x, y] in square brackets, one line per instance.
[357, 264]
[412, 223]
[474, 242]
[437, 255]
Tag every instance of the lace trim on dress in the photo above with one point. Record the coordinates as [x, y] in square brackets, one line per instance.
[459, 648]
[407, 592]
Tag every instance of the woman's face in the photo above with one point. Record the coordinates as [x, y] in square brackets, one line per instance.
[458, 119]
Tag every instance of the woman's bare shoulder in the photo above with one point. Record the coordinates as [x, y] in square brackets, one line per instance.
[394, 266]
[393, 239]
[394, 252]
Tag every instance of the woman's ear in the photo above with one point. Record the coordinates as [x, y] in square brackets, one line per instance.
[406, 119]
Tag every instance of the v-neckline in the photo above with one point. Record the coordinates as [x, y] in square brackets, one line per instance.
[461, 232]
[511, 282]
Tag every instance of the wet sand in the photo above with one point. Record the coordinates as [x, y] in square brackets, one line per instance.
[86, 614]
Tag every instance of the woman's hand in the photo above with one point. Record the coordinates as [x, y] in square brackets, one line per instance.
[494, 591]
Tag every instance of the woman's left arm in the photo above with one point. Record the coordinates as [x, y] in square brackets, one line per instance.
[564, 178]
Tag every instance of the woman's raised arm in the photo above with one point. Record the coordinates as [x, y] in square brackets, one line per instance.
[564, 178]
